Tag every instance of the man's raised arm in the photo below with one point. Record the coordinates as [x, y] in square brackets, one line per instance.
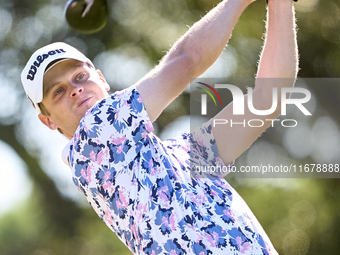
[278, 68]
[190, 56]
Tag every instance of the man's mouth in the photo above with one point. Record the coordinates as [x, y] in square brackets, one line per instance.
[84, 100]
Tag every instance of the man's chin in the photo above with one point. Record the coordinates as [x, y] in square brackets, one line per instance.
[89, 103]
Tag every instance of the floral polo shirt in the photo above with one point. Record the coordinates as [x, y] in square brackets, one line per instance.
[147, 191]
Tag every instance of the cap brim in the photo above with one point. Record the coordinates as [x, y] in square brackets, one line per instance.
[55, 62]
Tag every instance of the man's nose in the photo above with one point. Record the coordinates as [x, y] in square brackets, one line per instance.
[76, 90]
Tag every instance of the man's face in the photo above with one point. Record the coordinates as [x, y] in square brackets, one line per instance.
[70, 88]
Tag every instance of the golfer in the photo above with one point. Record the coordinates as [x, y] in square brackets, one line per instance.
[145, 189]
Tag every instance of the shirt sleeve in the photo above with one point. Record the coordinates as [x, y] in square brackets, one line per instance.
[204, 156]
[200, 144]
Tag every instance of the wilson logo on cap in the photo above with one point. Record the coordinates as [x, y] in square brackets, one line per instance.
[39, 60]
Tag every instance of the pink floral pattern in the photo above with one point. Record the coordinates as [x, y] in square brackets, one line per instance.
[147, 191]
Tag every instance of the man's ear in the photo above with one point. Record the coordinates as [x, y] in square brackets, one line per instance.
[47, 121]
[102, 78]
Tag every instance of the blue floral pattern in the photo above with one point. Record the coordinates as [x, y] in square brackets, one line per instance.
[147, 191]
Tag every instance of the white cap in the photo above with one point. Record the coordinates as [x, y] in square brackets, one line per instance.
[40, 62]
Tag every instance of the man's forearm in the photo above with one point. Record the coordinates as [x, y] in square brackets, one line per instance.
[278, 64]
[279, 58]
[190, 56]
[207, 38]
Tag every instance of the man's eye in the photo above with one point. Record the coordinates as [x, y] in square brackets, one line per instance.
[58, 91]
[80, 76]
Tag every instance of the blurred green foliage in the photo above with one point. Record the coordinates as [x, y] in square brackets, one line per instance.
[301, 216]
